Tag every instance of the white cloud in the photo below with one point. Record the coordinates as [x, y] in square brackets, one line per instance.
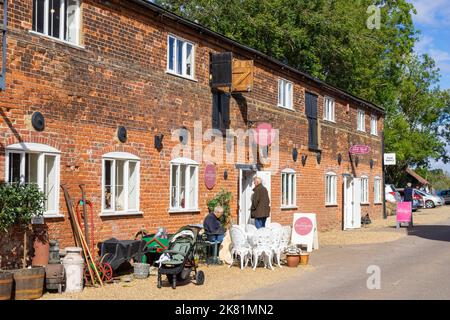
[432, 12]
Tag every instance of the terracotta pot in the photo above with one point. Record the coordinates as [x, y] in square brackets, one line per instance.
[292, 260]
[304, 258]
[41, 247]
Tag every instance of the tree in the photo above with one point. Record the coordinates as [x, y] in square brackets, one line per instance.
[330, 40]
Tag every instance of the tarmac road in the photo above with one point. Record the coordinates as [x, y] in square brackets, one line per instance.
[414, 267]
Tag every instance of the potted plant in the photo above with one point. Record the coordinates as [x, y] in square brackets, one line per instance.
[19, 204]
[223, 199]
[293, 256]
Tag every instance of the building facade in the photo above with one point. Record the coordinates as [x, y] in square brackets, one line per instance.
[110, 78]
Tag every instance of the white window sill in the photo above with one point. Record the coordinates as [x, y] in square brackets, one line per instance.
[375, 135]
[362, 131]
[184, 210]
[74, 45]
[365, 203]
[377, 203]
[289, 207]
[53, 215]
[328, 120]
[121, 213]
[181, 76]
[284, 107]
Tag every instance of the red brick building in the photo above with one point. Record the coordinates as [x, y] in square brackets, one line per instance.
[91, 66]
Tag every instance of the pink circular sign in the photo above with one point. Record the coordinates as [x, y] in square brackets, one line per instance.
[303, 226]
[210, 176]
[264, 134]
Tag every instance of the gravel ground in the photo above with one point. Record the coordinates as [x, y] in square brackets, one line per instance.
[229, 283]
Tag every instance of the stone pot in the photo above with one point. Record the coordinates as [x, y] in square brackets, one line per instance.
[292, 260]
[304, 258]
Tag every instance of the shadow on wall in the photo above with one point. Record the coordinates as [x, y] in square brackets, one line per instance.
[10, 125]
[431, 232]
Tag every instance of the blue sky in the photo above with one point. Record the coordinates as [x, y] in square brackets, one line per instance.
[433, 19]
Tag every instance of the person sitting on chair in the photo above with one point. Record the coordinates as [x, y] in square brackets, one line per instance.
[213, 227]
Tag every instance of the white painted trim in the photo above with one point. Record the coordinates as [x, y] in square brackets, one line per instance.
[184, 161]
[183, 57]
[183, 210]
[288, 170]
[32, 147]
[285, 82]
[120, 213]
[325, 108]
[121, 156]
[293, 196]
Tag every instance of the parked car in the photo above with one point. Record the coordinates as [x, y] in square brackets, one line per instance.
[392, 195]
[444, 194]
[429, 200]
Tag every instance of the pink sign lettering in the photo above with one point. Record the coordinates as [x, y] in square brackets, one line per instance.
[359, 149]
[303, 226]
[210, 176]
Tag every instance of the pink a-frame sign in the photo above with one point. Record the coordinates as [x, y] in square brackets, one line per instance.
[404, 212]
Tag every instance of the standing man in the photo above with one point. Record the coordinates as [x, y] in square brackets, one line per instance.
[260, 209]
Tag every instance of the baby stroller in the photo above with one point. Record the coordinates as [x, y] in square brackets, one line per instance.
[177, 262]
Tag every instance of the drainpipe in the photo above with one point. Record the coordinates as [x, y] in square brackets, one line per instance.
[4, 27]
[384, 176]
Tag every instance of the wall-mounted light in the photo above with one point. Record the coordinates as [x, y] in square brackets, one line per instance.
[225, 175]
[356, 161]
[339, 158]
[122, 134]
[304, 157]
[294, 154]
[319, 157]
[371, 163]
[38, 121]
[158, 141]
[183, 137]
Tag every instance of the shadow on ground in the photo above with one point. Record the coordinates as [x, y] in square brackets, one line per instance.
[431, 232]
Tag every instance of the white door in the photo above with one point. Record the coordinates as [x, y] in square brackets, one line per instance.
[245, 194]
[357, 203]
[348, 202]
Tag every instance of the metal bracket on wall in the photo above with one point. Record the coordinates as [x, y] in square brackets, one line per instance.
[4, 27]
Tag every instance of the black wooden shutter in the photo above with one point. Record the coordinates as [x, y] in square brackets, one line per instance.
[220, 111]
[225, 110]
[216, 110]
[311, 114]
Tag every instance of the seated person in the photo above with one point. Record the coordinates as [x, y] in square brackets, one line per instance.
[213, 227]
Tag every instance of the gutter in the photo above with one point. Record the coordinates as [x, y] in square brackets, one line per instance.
[172, 16]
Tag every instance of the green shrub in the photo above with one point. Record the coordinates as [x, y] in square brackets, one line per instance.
[19, 204]
[223, 199]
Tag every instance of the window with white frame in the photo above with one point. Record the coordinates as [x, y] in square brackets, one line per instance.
[364, 189]
[329, 109]
[377, 190]
[330, 188]
[361, 120]
[120, 183]
[373, 125]
[180, 57]
[59, 19]
[183, 185]
[33, 163]
[288, 188]
[285, 94]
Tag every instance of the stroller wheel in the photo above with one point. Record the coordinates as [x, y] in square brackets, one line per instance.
[200, 278]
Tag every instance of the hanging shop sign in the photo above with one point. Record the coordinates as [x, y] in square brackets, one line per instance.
[359, 149]
[304, 231]
[390, 159]
[404, 213]
[264, 134]
[210, 176]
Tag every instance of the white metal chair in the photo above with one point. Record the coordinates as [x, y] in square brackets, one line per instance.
[283, 243]
[262, 247]
[240, 246]
[250, 229]
[274, 225]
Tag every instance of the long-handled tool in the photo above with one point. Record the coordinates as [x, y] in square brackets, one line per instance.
[80, 239]
[85, 218]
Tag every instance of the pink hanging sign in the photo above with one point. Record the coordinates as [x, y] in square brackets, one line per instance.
[210, 176]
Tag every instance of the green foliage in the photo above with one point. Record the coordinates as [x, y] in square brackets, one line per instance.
[439, 179]
[19, 204]
[330, 40]
[223, 199]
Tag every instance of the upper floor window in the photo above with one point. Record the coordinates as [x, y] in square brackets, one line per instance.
[183, 185]
[361, 120]
[120, 183]
[330, 188]
[364, 189]
[329, 109]
[288, 188]
[180, 57]
[59, 19]
[285, 94]
[374, 125]
[33, 163]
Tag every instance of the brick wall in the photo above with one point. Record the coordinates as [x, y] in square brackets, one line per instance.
[117, 78]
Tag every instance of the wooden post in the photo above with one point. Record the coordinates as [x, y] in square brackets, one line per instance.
[24, 263]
